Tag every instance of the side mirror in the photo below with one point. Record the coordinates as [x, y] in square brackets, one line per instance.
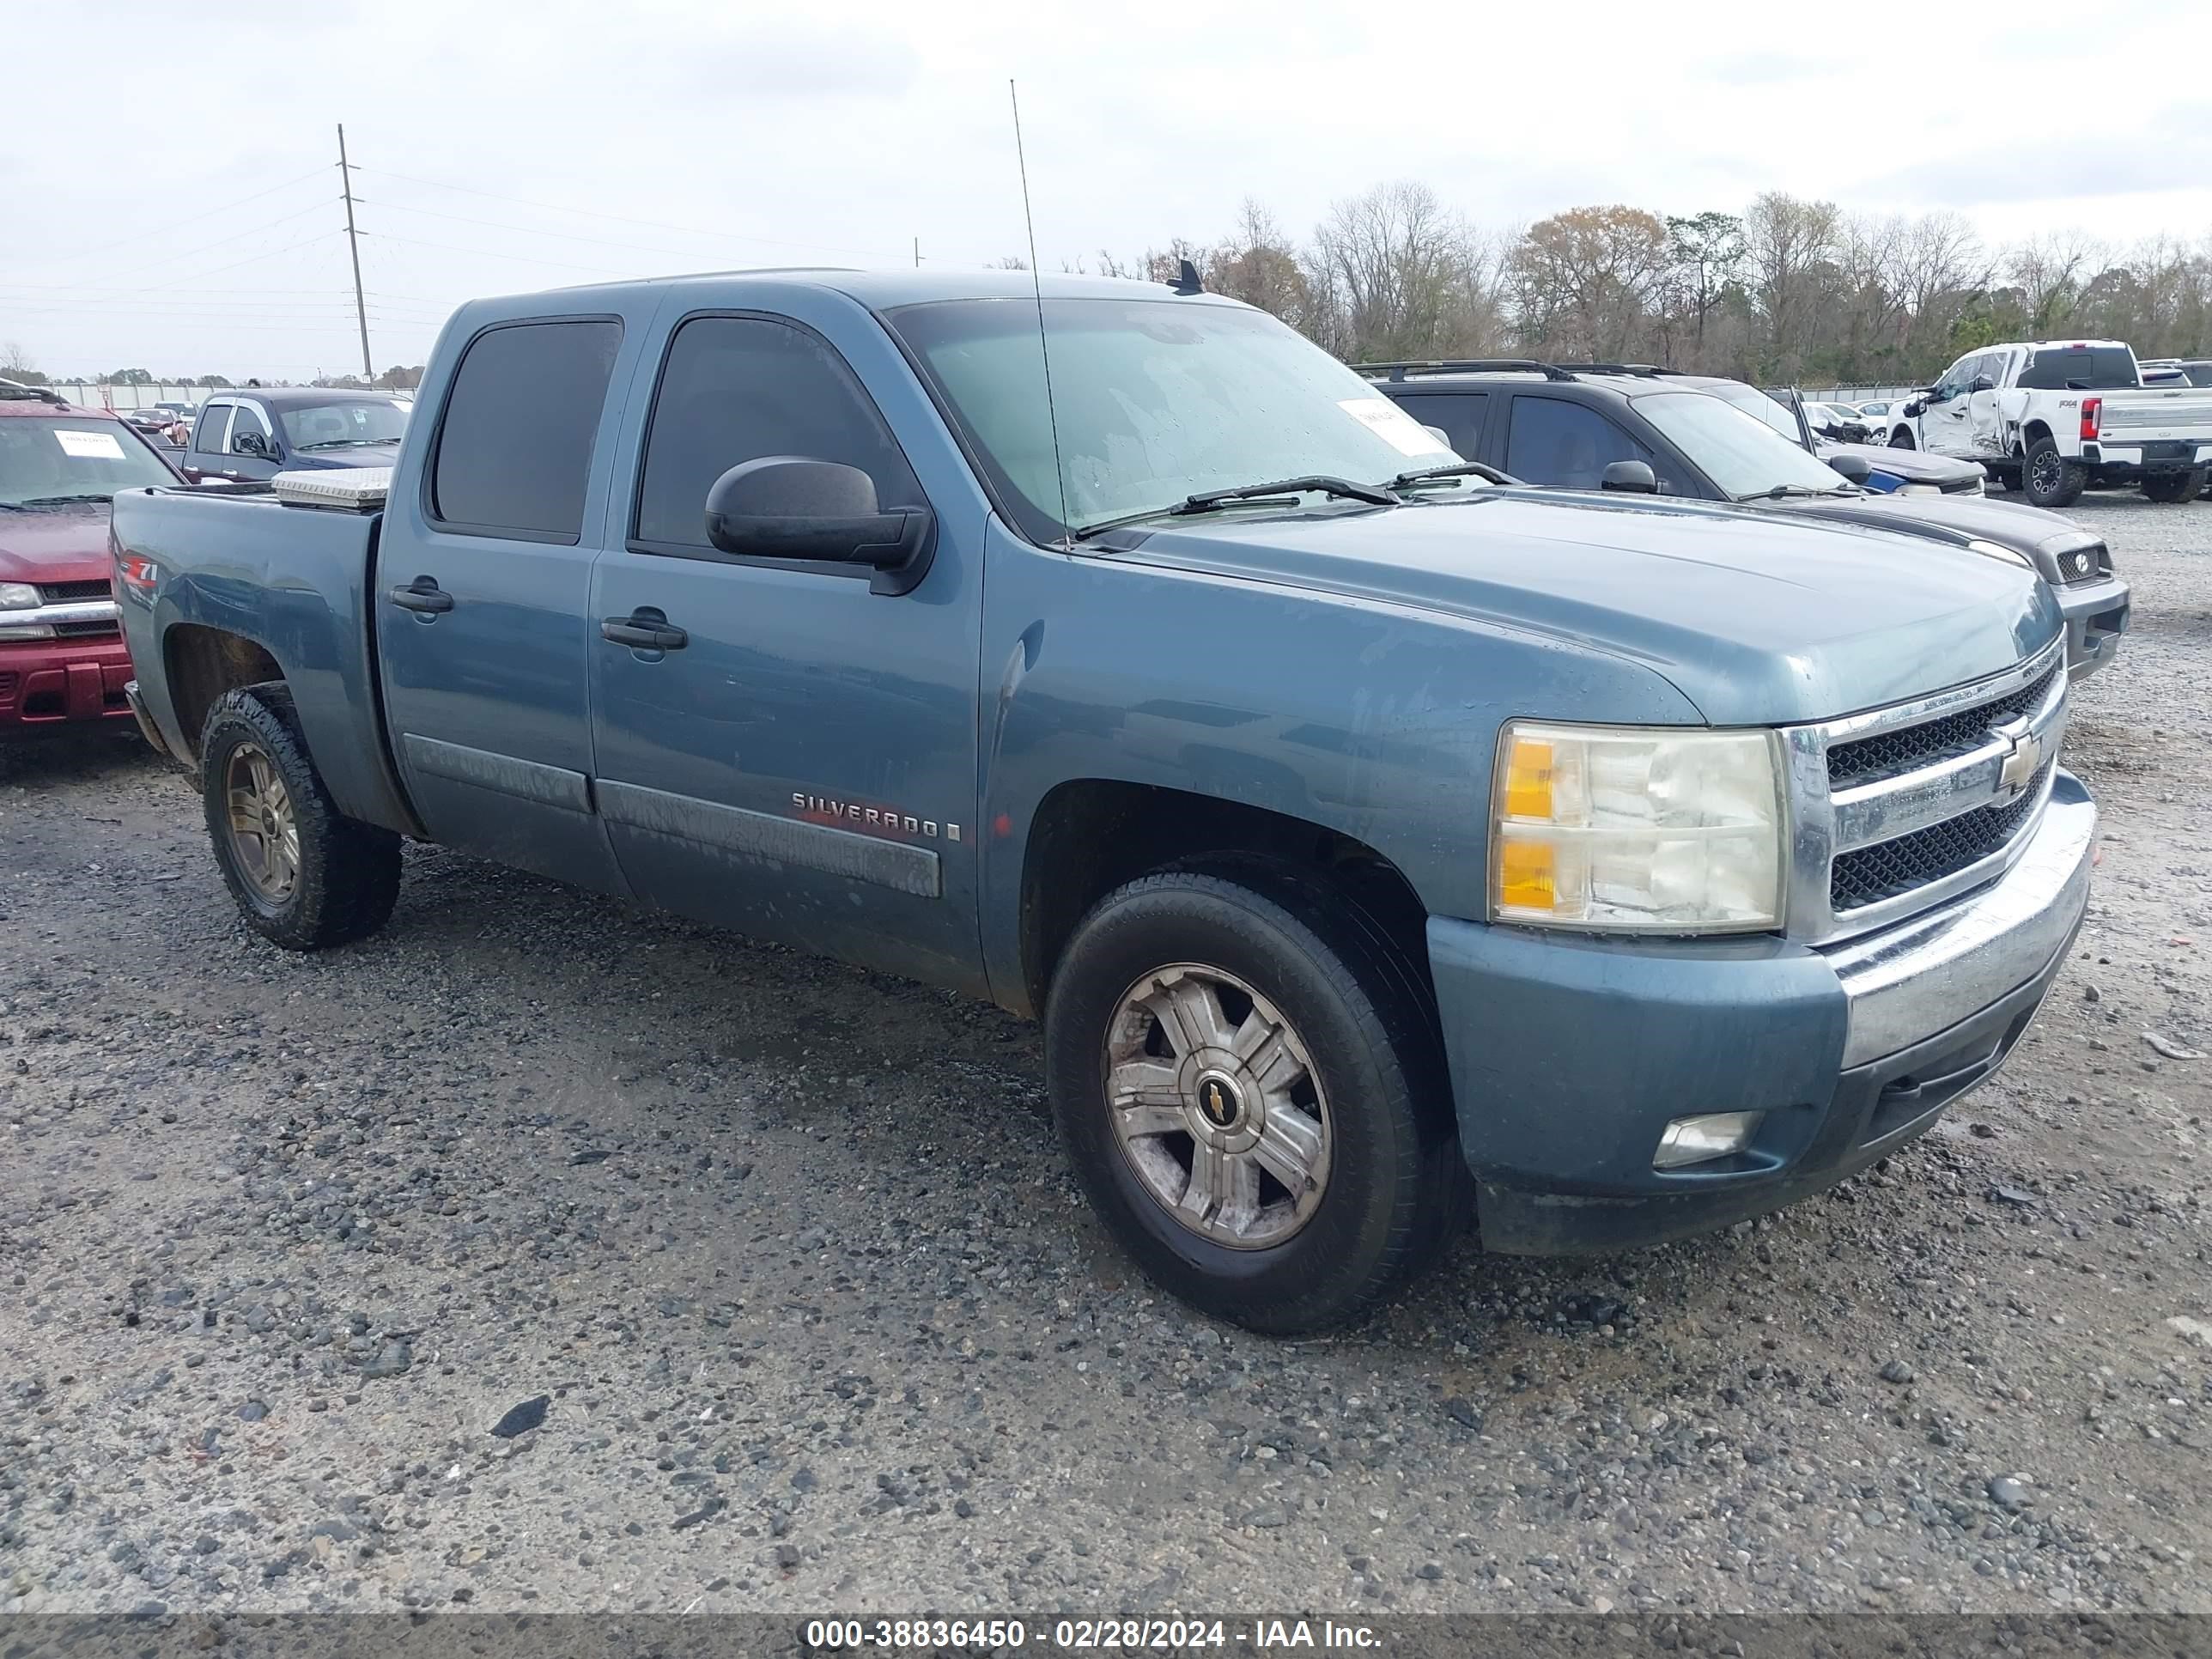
[1636, 476]
[1855, 468]
[1913, 409]
[251, 443]
[1442, 437]
[788, 506]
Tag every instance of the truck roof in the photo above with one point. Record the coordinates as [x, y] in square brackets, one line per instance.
[882, 291]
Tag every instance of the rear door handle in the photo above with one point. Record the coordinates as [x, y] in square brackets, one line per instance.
[423, 596]
[644, 630]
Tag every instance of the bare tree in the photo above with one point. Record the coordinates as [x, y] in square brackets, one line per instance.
[16, 364]
[1394, 264]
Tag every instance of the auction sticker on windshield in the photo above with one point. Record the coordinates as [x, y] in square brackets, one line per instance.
[1391, 423]
[88, 446]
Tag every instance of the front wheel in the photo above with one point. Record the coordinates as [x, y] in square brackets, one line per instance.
[1251, 1092]
[304, 875]
[2174, 486]
[2048, 478]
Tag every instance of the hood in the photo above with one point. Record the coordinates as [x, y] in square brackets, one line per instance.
[55, 545]
[299, 460]
[1759, 618]
[2040, 534]
[1913, 465]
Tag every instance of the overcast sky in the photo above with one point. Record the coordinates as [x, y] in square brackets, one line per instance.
[168, 192]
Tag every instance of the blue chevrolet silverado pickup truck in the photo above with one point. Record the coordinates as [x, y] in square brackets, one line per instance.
[1374, 841]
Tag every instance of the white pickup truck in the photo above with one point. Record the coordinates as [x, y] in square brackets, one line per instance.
[2051, 418]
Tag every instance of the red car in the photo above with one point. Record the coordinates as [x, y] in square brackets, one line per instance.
[63, 664]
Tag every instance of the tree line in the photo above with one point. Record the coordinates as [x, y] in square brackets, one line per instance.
[1788, 290]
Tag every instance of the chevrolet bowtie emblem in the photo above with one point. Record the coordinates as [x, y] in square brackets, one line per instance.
[2023, 760]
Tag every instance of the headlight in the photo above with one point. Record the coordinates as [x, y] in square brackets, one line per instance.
[1627, 829]
[1998, 550]
[19, 596]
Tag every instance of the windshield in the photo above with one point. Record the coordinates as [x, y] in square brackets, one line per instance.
[376, 423]
[1742, 456]
[1752, 401]
[54, 460]
[1155, 400]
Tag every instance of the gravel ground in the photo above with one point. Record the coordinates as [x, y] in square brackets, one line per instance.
[541, 1254]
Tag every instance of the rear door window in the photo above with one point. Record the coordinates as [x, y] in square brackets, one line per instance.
[1555, 442]
[515, 442]
[208, 435]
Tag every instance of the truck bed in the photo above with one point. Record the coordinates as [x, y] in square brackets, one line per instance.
[296, 580]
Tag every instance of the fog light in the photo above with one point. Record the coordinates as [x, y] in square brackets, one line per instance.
[1696, 1139]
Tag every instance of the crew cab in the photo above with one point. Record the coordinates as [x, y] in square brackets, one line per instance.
[2052, 418]
[1638, 428]
[250, 435]
[63, 665]
[1371, 839]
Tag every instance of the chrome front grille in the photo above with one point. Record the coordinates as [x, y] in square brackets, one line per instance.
[1898, 809]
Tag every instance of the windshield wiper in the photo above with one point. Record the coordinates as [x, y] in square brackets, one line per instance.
[1790, 492]
[344, 443]
[1462, 470]
[66, 501]
[1209, 500]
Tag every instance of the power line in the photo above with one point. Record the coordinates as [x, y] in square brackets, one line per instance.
[137, 237]
[563, 235]
[603, 272]
[623, 219]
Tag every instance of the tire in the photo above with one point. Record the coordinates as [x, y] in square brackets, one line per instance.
[2174, 486]
[2048, 478]
[333, 879]
[1357, 1086]
[1902, 439]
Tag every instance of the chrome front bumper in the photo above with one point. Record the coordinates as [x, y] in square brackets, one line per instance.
[1923, 976]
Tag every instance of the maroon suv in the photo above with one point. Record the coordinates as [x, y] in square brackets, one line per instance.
[62, 659]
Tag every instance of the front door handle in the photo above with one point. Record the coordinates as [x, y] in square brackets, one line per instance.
[423, 596]
[644, 630]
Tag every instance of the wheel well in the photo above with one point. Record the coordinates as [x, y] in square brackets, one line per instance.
[2031, 432]
[204, 663]
[1092, 835]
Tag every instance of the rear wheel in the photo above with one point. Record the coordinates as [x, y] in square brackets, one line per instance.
[1252, 1094]
[304, 875]
[2048, 478]
[2174, 486]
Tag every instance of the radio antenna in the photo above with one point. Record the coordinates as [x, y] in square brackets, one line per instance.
[1044, 352]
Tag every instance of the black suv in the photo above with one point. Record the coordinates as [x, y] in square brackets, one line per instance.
[1635, 428]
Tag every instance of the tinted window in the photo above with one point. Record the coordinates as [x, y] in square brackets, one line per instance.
[735, 389]
[2200, 373]
[1556, 442]
[2095, 368]
[515, 444]
[245, 420]
[1458, 415]
[207, 436]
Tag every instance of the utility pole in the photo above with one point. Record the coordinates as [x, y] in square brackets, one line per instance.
[353, 241]
[917, 253]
